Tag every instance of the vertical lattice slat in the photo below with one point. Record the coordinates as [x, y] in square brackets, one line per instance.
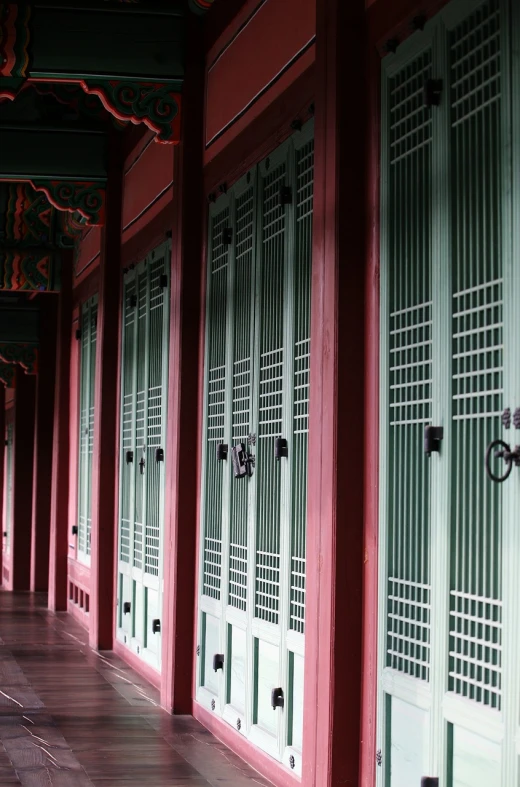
[154, 419]
[216, 383]
[83, 458]
[140, 420]
[9, 490]
[302, 275]
[476, 588]
[271, 329]
[410, 374]
[242, 381]
[91, 416]
[127, 416]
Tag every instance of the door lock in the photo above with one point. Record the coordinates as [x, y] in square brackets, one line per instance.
[243, 461]
[498, 449]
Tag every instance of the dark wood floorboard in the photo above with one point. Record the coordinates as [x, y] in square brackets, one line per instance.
[71, 717]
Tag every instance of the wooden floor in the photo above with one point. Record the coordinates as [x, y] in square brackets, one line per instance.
[70, 716]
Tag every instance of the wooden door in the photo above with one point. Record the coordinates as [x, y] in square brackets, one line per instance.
[144, 381]
[252, 561]
[449, 561]
[88, 338]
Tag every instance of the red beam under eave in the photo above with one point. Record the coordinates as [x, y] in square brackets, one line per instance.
[2, 475]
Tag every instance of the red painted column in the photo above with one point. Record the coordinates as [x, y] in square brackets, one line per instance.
[181, 457]
[104, 465]
[23, 452]
[2, 474]
[335, 556]
[370, 589]
[43, 437]
[58, 543]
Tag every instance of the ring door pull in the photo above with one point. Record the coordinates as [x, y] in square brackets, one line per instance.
[498, 449]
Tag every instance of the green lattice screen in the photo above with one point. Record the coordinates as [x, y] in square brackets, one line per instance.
[87, 380]
[141, 392]
[9, 490]
[217, 312]
[301, 359]
[408, 554]
[242, 383]
[271, 328]
[476, 587]
[155, 405]
[127, 419]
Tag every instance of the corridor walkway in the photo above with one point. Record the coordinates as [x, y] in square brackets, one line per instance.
[70, 716]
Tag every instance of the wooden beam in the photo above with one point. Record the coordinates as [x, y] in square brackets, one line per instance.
[52, 154]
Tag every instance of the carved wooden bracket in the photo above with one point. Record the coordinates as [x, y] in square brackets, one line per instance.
[85, 198]
[34, 270]
[7, 374]
[26, 355]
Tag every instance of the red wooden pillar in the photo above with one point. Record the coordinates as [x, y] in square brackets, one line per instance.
[181, 488]
[43, 436]
[23, 452]
[58, 543]
[2, 474]
[370, 589]
[104, 465]
[335, 558]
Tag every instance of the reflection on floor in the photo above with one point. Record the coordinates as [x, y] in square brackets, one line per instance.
[72, 717]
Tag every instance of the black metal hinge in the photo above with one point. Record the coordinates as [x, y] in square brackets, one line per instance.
[133, 301]
[78, 334]
[127, 606]
[129, 457]
[432, 439]
[222, 452]
[285, 195]
[429, 781]
[227, 236]
[280, 448]
[277, 698]
[159, 455]
[163, 281]
[432, 92]
[74, 530]
[156, 626]
[218, 661]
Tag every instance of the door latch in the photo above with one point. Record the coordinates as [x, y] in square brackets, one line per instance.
[243, 461]
[432, 439]
[501, 450]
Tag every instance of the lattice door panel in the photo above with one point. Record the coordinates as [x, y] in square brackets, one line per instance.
[252, 561]
[450, 556]
[9, 486]
[409, 369]
[143, 453]
[87, 380]
[476, 585]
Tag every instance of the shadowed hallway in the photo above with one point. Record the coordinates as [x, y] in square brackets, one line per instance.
[71, 716]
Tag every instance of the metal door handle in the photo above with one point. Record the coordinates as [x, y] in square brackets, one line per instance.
[141, 466]
[502, 451]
